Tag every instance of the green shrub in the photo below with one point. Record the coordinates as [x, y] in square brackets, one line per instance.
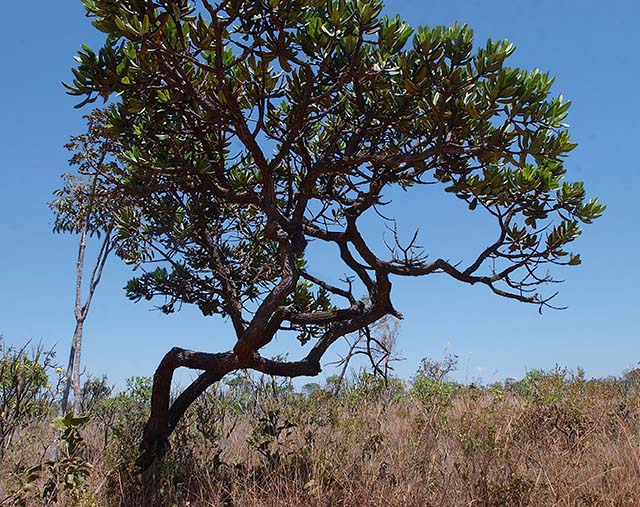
[431, 392]
[24, 388]
[64, 477]
[367, 387]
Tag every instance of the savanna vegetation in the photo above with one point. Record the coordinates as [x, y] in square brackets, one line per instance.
[551, 438]
[236, 139]
[241, 136]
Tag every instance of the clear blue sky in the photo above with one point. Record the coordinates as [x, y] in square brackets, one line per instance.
[591, 47]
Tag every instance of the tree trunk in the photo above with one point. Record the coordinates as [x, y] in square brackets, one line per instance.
[72, 376]
[77, 348]
[165, 416]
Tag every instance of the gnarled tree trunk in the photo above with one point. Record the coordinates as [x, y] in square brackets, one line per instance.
[165, 415]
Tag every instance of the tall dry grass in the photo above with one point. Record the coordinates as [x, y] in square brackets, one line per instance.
[550, 441]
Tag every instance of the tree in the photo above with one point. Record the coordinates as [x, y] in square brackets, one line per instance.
[376, 342]
[85, 206]
[249, 129]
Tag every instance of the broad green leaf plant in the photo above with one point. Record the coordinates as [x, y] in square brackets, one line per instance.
[246, 130]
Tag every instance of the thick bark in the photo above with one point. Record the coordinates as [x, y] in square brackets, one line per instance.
[165, 415]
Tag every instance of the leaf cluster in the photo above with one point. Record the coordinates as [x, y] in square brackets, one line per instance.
[242, 131]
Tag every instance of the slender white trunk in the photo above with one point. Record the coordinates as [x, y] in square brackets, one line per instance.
[77, 391]
[72, 379]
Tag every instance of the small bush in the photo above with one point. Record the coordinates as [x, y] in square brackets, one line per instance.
[25, 393]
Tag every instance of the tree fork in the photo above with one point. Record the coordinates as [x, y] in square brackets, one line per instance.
[165, 416]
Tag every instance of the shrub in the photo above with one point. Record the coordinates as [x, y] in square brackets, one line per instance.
[24, 392]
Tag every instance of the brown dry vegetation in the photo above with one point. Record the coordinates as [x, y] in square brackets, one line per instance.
[552, 439]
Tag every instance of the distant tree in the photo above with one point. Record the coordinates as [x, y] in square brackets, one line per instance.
[377, 343]
[631, 380]
[246, 130]
[84, 206]
[438, 370]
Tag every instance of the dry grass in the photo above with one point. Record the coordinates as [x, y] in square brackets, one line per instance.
[555, 443]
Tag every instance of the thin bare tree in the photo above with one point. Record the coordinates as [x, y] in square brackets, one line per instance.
[83, 206]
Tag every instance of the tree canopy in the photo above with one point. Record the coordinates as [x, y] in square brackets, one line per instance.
[245, 130]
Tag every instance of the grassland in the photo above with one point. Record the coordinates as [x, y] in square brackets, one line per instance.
[551, 439]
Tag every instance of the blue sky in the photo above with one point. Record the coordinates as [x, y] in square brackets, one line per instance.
[592, 51]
